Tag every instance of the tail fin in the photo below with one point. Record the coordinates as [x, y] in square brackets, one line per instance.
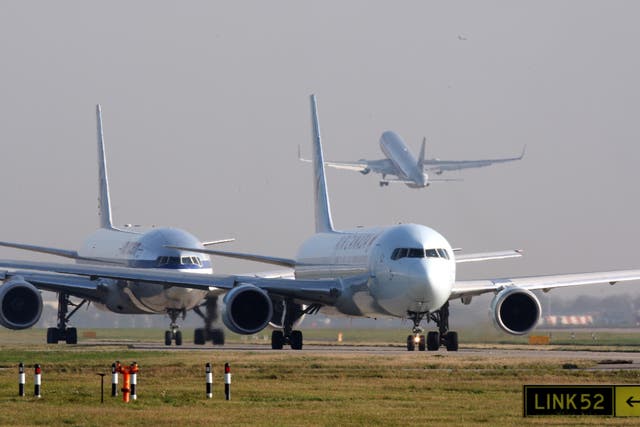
[422, 154]
[104, 202]
[322, 208]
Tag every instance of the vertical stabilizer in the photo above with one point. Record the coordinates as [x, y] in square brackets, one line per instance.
[422, 154]
[104, 203]
[322, 208]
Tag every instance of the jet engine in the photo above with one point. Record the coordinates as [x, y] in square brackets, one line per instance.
[515, 310]
[247, 309]
[20, 304]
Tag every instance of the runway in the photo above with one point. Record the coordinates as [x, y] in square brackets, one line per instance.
[604, 359]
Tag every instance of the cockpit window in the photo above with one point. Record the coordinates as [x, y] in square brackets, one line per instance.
[174, 261]
[419, 253]
[415, 253]
[432, 253]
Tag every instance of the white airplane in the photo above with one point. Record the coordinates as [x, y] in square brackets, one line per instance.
[113, 246]
[400, 162]
[403, 271]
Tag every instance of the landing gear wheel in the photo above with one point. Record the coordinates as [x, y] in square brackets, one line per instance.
[422, 343]
[71, 336]
[217, 336]
[178, 337]
[296, 340]
[433, 341]
[277, 340]
[451, 340]
[411, 345]
[167, 337]
[52, 335]
[198, 336]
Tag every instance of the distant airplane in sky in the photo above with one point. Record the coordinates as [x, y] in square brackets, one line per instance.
[402, 164]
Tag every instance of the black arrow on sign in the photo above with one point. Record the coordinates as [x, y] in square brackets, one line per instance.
[630, 401]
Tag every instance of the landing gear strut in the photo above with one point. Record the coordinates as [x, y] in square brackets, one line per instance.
[202, 335]
[287, 335]
[61, 332]
[174, 333]
[433, 341]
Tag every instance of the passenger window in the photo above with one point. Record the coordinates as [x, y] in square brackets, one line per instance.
[431, 253]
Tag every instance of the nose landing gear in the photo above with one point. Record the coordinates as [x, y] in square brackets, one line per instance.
[174, 333]
[434, 340]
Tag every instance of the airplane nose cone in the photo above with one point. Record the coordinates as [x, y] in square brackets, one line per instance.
[429, 284]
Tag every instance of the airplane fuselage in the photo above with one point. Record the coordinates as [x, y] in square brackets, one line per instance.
[395, 149]
[410, 268]
[146, 250]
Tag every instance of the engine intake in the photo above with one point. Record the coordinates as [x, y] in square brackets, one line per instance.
[247, 309]
[20, 304]
[515, 310]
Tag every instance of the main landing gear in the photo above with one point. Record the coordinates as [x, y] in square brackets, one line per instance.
[174, 333]
[433, 340]
[293, 312]
[208, 333]
[61, 332]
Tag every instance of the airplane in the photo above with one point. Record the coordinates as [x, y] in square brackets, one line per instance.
[400, 162]
[404, 271]
[126, 246]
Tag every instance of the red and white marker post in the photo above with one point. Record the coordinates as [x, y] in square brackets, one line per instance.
[37, 381]
[227, 381]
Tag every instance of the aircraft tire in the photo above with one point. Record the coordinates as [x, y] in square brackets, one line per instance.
[422, 344]
[217, 336]
[277, 340]
[178, 337]
[433, 341]
[167, 337]
[198, 336]
[71, 336]
[411, 345]
[452, 341]
[296, 340]
[52, 335]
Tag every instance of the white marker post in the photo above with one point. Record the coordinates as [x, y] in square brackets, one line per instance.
[134, 380]
[114, 380]
[227, 382]
[209, 380]
[37, 381]
[21, 379]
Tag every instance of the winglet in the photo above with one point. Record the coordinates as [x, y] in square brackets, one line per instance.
[422, 154]
[104, 202]
[523, 151]
[322, 208]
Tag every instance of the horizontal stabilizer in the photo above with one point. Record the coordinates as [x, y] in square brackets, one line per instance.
[487, 256]
[283, 262]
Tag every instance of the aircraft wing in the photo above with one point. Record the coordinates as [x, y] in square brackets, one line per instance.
[487, 256]
[364, 166]
[546, 283]
[66, 253]
[450, 165]
[283, 262]
[53, 278]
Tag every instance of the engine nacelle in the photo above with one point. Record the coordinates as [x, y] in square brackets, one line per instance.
[20, 304]
[247, 309]
[515, 310]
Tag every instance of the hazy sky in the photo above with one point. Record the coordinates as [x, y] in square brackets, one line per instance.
[205, 104]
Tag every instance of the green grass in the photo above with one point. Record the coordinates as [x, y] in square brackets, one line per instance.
[283, 388]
